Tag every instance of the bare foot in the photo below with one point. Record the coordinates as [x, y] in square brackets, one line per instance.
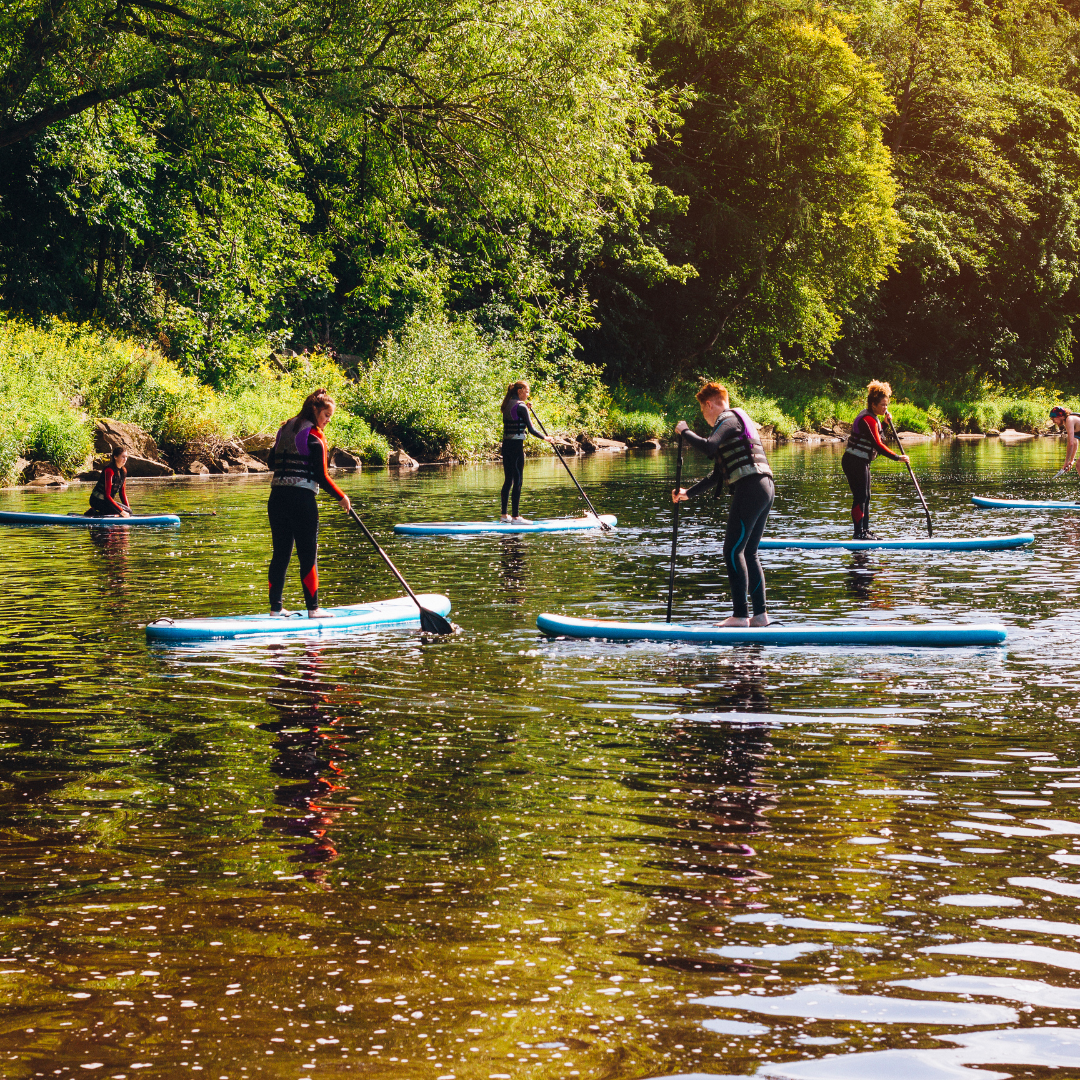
[734, 620]
[761, 620]
[319, 613]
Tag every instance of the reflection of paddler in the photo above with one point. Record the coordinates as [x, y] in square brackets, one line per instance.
[864, 444]
[299, 461]
[109, 497]
[1069, 422]
[735, 446]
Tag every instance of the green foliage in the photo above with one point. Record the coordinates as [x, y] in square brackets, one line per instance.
[436, 388]
[61, 438]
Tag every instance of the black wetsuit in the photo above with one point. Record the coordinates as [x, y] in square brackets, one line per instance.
[109, 497]
[741, 464]
[516, 421]
[298, 459]
[864, 444]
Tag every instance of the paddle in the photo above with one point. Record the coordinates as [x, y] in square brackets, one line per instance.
[911, 473]
[674, 532]
[430, 622]
[603, 524]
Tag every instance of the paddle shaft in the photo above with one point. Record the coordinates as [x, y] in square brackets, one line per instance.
[911, 473]
[674, 532]
[429, 620]
[603, 524]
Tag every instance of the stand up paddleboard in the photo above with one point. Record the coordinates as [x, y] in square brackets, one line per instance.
[382, 614]
[944, 635]
[467, 528]
[10, 518]
[967, 543]
[1021, 504]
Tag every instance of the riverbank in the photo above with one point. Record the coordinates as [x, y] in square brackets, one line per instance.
[429, 394]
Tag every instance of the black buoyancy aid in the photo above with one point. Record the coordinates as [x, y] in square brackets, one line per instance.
[860, 442]
[99, 497]
[514, 421]
[744, 456]
[293, 463]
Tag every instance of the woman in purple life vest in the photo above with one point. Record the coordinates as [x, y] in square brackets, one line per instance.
[864, 444]
[740, 463]
[516, 421]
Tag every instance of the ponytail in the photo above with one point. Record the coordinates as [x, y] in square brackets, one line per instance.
[317, 399]
[512, 394]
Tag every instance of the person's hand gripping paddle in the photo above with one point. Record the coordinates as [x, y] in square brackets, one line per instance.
[911, 473]
[603, 524]
[430, 622]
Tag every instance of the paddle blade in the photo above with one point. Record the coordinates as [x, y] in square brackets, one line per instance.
[431, 623]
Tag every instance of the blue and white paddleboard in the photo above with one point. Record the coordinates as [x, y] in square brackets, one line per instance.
[1022, 504]
[966, 543]
[382, 614]
[861, 633]
[10, 518]
[467, 528]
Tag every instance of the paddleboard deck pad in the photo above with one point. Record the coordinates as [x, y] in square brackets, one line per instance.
[382, 614]
[10, 518]
[966, 543]
[467, 528]
[1022, 504]
[944, 635]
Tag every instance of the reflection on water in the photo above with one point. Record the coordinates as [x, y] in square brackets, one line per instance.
[502, 856]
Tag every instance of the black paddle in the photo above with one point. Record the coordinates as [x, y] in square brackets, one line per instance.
[430, 622]
[911, 472]
[603, 524]
[674, 532]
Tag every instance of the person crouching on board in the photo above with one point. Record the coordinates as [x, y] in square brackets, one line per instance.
[109, 497]
[1069, 422]
[516, 421]
[863, 445]
[299, 460]
[735, 446]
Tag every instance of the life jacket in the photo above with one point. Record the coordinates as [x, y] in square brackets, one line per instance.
[514, 424]
[744, 456]
[99, 497]
[860, 442]
[293, 463]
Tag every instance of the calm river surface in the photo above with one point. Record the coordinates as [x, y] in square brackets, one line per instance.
[498, 856]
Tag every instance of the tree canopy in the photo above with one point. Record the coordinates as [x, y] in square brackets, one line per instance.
[664, 188]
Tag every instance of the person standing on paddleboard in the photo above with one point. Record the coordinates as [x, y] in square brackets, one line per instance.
[109, 497]
[735, 446]
[516, 421]
[299, 461]
[1069, 422]
[863, 445]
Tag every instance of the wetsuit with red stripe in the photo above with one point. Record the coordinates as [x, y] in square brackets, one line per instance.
[864, 444]
[109, 497]
[299, 461]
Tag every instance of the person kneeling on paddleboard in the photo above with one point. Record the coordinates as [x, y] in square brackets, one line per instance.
[516, 421]
[1069, 422]
[109, 497]
[864, 444]
[299, 461]
[740, 459]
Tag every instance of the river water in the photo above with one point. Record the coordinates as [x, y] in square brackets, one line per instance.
[499, 856]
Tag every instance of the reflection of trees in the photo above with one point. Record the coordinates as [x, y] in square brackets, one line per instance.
[306, 749]
[512, 567]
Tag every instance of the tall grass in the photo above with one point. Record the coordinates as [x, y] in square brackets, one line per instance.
[56, 380]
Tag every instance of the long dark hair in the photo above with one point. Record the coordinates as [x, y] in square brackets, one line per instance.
[317, 399]
[512, 393]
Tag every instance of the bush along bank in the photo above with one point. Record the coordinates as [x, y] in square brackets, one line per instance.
[431, 392]
[804, 409]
